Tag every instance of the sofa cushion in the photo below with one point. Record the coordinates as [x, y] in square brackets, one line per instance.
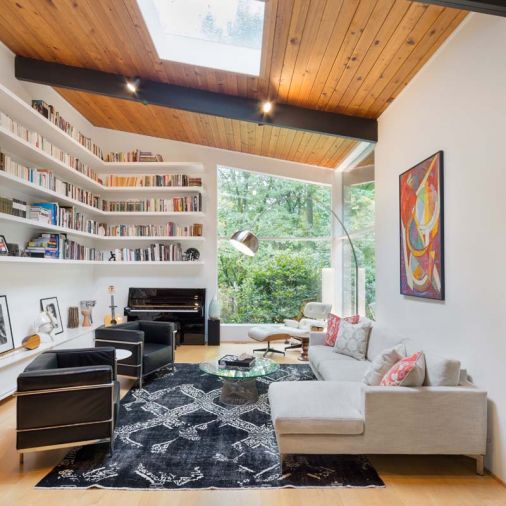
[352, 339]
[408, 372]
[320, 353]
[440, 371]
[316, 407]
[381, 339]
[381, 364]
[333, 327]
[343, 370]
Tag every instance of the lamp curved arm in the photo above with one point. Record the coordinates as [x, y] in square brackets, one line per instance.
[354, 253]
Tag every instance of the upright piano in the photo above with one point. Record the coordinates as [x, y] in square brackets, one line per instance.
[184, 306]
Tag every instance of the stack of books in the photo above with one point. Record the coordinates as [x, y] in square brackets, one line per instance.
[244, 361]
[45, 212]
[44, 246]
[192, 203]
[152, 180]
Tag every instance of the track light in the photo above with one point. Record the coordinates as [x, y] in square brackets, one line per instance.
[266, 107]
[132, 85]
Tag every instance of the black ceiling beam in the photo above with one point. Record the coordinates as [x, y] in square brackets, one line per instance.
[494, 7]
[197, 101]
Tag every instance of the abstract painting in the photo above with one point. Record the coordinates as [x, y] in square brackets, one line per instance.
[421, 229]
[6, 339]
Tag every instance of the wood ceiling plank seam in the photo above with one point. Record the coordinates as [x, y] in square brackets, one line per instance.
[342, 153]
[170, 120]
[211, 134]
[309, 38]
[259, 137]
[330, 153]
[232, 84]
[266, 137]
[414, 38]
[278, 149]
[306, 137]
[273, 140]
[441, 29]
[297, 138]
[281, 37]
[242, 84]
[244, 136]
[289, 140]
[313, 139]
[378, 17]
[377, 72]
[120, 38]
[236, 129]
[355, 31]
[251, 129]
[327, 27]
[20, 37]
[271, 9]
[223, 138]
[297, 25]
[387, 30]
[321, 147]
[343, 22]
[229, 134]
[93, 110]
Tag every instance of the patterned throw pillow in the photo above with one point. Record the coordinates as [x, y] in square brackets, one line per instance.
[382, 363]
[408, 372]
[333, 327]
[352, 338]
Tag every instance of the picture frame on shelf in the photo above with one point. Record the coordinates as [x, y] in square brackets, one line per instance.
[6, 337]
[4, 249]
[51, 306]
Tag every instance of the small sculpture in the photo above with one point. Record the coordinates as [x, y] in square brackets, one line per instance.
[86, 310]
[112, 258]
[191, 254]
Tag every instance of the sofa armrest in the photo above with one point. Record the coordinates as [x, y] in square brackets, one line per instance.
[68, 377]
[291, 323]
[317, 338]
[428, 419]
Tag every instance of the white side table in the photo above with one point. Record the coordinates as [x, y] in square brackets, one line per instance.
[122, 354]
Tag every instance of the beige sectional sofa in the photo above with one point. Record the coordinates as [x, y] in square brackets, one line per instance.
[339, 414]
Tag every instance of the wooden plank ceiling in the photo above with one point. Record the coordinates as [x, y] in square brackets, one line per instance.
[347, 56]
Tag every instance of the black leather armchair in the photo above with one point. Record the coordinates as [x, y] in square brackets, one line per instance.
[67, 398]
[152, 345]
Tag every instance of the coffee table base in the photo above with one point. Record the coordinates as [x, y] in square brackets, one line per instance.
[237, 392]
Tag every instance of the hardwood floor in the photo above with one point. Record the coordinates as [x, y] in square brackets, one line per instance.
[410, 480]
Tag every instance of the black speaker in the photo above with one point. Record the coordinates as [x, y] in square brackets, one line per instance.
[213, 332]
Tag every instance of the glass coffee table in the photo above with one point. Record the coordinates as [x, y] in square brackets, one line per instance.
[240, 386]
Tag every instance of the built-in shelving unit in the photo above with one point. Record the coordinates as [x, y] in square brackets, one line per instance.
[30, 155]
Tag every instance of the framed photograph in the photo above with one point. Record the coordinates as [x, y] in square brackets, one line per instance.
[6, 339]
[51, 306]
[421, 228]
[4, 249]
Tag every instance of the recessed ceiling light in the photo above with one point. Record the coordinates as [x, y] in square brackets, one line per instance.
[132, 85]
[266, 107]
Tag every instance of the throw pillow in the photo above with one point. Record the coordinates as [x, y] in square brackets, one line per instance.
[381, 364]
[408, 372]
[333, 327]
[352, 338]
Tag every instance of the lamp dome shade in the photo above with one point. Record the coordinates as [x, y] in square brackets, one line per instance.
[245, 241]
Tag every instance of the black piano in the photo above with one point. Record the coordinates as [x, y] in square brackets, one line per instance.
[184, 306]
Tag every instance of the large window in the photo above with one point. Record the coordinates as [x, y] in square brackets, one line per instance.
[293, 224]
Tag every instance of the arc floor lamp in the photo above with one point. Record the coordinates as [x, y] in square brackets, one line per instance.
[247, 243]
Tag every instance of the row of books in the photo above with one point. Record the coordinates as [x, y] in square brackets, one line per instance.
[49, 112]
[59, 246]
[15, 207]
[46, 179]
[152, 180]
[171, 252]
[190, 203]
[43, 144]
[169, 229]
[133, 156]
[51, 213]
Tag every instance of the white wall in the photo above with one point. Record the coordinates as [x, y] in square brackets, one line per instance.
[457, 103]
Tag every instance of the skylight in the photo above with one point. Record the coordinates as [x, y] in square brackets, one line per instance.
[221, 34]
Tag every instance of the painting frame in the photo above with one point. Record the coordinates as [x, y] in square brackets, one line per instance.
[434, 168]
[4, 248]
[5, 327]
[51, 304]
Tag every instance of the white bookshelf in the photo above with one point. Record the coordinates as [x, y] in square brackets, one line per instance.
[31, 156]
[58, 261]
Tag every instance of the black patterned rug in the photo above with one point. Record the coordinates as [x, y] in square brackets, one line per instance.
[176, 434]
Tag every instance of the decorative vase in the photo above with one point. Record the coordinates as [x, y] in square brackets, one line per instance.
[214, 309]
